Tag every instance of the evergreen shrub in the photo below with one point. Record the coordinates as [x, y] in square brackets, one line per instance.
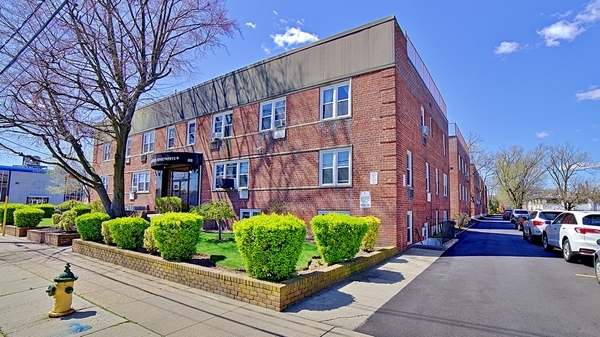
[56, 218]
[97, 206]
[67, 205]
[338, 236]
[168, 204]
[28, 216]
[176, 235]
[149, 242]
[10, 210]
[370, 239]
[105, 230]
[89, 225]
[270, 245]
[48, 209]
[67, 220]
[128, 233]
[81, 209]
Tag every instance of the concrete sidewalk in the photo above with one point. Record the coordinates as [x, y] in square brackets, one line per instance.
[114, 301]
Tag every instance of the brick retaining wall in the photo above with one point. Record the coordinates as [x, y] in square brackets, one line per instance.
[17, 231]
[275, 296]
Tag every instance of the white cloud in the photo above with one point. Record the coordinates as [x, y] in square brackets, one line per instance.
[265, 48]
[591, 13]
[293, 36]
[275, 12]
[251, 25]
[507, 48]
[542, 134]
[592, 94]
[569, 30]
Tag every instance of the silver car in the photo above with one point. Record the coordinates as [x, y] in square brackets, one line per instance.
[538, 220]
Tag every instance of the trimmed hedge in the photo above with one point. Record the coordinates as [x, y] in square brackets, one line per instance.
[81, 209]
[149, 242]
[10, 210]
[127, 233]
[270, 245]
[67, 205]
[370, 239]
[97, 206]
[176, 235]
[28, 216]
[338, 236]
[105, 230]
[89, 226]
[48, 209]
[168, 204]
[67, 220]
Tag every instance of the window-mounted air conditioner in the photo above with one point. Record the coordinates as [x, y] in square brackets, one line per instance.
[144, 158]
[428, 197]
[224, 183]
[279, 123]
[132, 193]
[216, 135]
[411, 193]
[127, 160]
[424, 129]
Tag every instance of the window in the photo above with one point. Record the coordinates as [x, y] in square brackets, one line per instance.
[409, 178]
[37, 200]
[422, 116]
[247, 213]
[128, 148]
[444, 143]
[445, 185]
[236, 170]
[437, 182]
[445, 215]
[148, 142]
[409, 221]
[321, 212]
[141, 181]
[171, 137]
[191, 133]
[431, 127]
[106, 153]
[272, 114]
[427, 185]
[222, 125]
[105, 182]
[335, 101]
[334, 167]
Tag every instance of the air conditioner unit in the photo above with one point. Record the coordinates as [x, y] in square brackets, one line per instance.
[428, 197]
[127, 160]
[424, 129]
[144, 158]
[132, 193]
[279, 123]
[224, 183]
[411, 193]
[278, 134]
[216, 135]
[133, 189]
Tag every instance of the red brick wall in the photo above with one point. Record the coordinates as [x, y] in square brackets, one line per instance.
[459, 178]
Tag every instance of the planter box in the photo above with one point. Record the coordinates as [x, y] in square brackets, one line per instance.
[275, 296]
[51, 237]
[17, 231]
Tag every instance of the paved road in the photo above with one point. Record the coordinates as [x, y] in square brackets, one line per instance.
[494, 283]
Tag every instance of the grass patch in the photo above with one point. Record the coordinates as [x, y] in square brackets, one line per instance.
[46, 222]
[225, 253]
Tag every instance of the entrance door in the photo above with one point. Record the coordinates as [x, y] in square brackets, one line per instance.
[181, 182]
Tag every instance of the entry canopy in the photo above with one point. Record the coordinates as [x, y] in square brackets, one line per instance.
[161, 161]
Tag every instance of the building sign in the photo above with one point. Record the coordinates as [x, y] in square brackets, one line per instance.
[365, 199]
[160, 161]
[373, 178]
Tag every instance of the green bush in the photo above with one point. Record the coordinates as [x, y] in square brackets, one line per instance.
[97, 206]
[128, 233]
[338, 236]
[56, 218]
[28, 216]
[270, 245]
[167, 204]
[149, 242]
[67, 220]
[48, 209]
[218, 211]
[370, 239]
[67, 205]
[461, 219]
[81, 209]
[10, 209]
[89, 226]
[105, 230]
[176, 235]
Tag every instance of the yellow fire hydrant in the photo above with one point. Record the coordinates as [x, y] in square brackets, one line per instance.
[62, 293]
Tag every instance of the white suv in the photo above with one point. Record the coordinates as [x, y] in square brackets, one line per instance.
[515, 214]
[534, 227]
[574, 232]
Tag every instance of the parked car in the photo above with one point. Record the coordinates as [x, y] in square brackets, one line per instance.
[506, 214]
[574, 232]
[520, 221]
[515, 213]
[534, 227]
[597, 262]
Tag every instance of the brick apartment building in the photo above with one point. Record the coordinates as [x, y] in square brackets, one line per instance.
[478, 193]
[460, 172]
[352, 123]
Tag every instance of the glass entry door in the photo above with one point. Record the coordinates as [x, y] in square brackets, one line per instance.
[183, 183]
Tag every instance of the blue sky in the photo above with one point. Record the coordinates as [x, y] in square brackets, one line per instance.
[516, 72]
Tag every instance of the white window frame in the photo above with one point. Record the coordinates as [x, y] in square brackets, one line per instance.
[427, 182]
[106, 152]
[226, 129]
[275, 116]
[136, 181]
[170, 137]
[409, 227]
[445, 185]
[148, 142]
[239, 165]
[409, 171]
[422, 116]
[105, 182]
[324, 211]
[444, 143]
[431, 127]
[128, 148]
[190, 134]
[335, 166]
[437, 182]
[335, 101]
[250, 212]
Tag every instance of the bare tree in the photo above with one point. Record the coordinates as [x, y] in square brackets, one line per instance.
[565, 163]
[64, 183]
[81, 79]
[520, 174]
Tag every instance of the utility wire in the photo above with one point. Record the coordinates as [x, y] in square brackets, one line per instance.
[23, 24]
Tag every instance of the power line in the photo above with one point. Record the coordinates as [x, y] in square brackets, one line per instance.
[22, 24]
